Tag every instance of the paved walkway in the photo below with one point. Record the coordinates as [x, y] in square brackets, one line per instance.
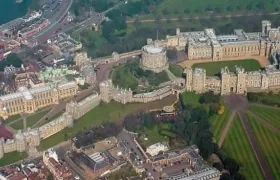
[226, 129]
[253, 141]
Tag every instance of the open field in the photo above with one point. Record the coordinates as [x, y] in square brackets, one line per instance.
[215, 6]
[218, 123]
[269, 115]
[214, 68]
[109, 112]
[269, 143]
[176, 69]
[12, 157]
[237, 146]
[12, 118]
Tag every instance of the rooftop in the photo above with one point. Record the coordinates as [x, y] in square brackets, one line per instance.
[152, 49]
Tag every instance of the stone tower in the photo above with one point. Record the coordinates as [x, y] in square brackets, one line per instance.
[266, 26]
[241, 87]
[199, 80]
[105, 89]
[189, 78]
[2, 147]
[225, 85]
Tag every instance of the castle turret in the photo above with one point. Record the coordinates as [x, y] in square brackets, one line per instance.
[266, 26]
[2, 147]
[105, 89]
[199, 80]
[20, 141]
[241, 86]
[189, 78]
[225, 85]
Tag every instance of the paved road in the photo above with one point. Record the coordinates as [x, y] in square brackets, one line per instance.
[204, 17]
[255, 146]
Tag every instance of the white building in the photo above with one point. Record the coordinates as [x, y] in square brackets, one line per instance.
[156, 148]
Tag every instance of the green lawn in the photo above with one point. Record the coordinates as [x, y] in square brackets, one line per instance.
[12, 157]
[190, 98]
[176, 70]
[158, 133]
[270, 115]
[237, 146]
[269, 142]
[178, 7]
[214, 68]
[17, 125]
[218, 123]
[106, 112]
[11, 118]
[31, 120]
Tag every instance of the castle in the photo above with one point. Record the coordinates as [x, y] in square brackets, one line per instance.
[23, 140]
[207, 45]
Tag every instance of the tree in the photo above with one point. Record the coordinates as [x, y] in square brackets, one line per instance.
[186, 11]
[165, 11]
[50, 177]
[231, 165]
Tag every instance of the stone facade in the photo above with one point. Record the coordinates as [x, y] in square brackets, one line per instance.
[207, 45]
[153, 58]
[22, 141]
[239, 81]
[109, 92]
[29, 100]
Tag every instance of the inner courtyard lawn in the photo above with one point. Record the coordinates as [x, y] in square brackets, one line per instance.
[269, 142]
[105, 112]
[269, 115]
[12, 157]
[214, 68]
[218, 123]
[189, 98]
[237, 146]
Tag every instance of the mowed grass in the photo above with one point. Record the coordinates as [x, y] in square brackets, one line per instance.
[237, 146]
[199, 6]
[269, 142]
[12, 157]
[269, 115]
[109, 112]
[31, 120]
[218, 123]
[189, 98]
[17, 125]
[176, 70]
[214, 68]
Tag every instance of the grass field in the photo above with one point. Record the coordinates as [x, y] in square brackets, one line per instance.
[269, 142]
[109, 112]
[218, 123]
[153, 134]
[176, 70]
[12, 157]
[216, 6]
[237, 146]
[12, 118]
[214, 68]
[17, 125]
[190, 98]
[270, 115]
[31, 120]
